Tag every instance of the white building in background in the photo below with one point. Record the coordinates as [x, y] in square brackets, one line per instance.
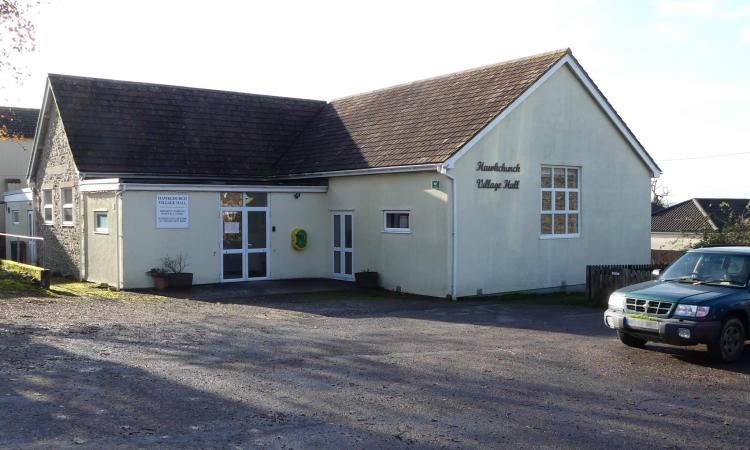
[17, 127]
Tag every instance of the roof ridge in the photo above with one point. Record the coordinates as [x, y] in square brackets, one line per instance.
[561, 52]
[674, 206]
[19, 108]
[146, 83]
[721, 198]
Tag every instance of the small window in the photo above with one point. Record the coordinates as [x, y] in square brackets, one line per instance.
[231, 199]
[12, 184]
[67, 207]
[47, 205]
[256, 199]
[101, 222]
[396, 222]
[16, 216]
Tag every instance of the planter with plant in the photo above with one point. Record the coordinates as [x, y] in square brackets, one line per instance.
[175, 269]
[159, 276]
[366, 279]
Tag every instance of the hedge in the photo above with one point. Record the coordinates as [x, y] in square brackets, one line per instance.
[39, 274]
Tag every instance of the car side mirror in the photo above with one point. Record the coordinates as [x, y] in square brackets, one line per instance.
[655, 273]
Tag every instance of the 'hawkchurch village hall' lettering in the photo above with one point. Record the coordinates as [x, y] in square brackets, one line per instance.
[497, 167]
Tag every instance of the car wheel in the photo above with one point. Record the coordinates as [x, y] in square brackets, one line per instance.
[630, 341]
[731, 342]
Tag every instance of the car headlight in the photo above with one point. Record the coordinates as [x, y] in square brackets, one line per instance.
[691, 311]
[616, 300]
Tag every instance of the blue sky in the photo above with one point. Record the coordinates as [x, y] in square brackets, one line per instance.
[677, 71]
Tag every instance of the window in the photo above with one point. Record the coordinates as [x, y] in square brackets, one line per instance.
[12, 184]
[101, 222]
[249, 199]
[561, 206]
[396, 222]
[47, 205]
[16, 216]
[67, 207]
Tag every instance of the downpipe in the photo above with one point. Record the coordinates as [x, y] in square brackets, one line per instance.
[454, 224]
[118, 236]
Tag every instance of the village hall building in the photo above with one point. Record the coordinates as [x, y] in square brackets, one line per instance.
[503, 178]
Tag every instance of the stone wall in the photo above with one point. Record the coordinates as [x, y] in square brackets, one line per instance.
[56, 170]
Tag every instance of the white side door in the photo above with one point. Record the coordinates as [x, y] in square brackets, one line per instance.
[343, 245]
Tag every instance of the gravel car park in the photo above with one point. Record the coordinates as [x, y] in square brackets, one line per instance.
[351, 370]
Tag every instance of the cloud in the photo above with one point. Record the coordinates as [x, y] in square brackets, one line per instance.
[745, 35]
[671, 30]
[704, 9]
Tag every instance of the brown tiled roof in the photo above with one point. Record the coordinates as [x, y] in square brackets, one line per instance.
[698, 214]
[18, 122]
[118, 127]
[416, 123]
[125, 127]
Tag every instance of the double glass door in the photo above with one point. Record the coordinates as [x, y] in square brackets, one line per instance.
[245, 239]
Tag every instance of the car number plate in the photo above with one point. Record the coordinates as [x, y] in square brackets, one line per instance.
[642, 324]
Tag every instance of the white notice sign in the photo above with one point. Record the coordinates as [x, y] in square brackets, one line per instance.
[172, 211]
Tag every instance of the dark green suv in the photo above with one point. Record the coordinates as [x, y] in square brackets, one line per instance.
[702, 298]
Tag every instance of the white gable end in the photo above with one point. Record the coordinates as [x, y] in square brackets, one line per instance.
[565, 62]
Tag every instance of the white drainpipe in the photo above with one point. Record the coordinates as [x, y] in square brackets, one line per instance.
[118, 236]
[454, 236]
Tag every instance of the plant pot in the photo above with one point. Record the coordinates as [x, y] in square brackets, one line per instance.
[180, 280]
[366, 280]
[160, 282]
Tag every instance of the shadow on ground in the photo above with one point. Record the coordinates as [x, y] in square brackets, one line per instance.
[218, 382]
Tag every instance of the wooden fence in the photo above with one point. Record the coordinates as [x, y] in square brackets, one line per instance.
[601, 281]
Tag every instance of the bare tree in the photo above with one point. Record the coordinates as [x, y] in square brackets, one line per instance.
[17, 37]
[659, 193]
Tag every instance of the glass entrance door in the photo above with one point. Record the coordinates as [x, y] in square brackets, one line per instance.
[245, 240]
[343, 245]
[257, 248]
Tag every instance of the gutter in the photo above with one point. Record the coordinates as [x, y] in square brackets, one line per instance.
[370, 171]
[115, 184]
[454, 233]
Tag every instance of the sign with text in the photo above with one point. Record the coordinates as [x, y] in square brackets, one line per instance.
[172, 211]
[486, 183]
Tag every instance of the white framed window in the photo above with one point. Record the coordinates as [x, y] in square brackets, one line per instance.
[67, 206]
[561, 202]
[15, 216]
[47, 206]
[12, 184]
[101, 222]
[396, 221]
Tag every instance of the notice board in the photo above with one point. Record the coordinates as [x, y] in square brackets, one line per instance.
[172, 210]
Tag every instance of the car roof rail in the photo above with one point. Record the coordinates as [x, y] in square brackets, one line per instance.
[722, 245]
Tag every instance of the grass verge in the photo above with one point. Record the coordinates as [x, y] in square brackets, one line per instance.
[16, 285]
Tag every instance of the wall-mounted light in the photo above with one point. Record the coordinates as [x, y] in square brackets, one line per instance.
[297, 194]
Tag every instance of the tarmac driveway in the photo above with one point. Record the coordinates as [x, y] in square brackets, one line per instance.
[349, 370]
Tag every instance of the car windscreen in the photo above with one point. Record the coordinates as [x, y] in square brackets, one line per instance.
[710, 268]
